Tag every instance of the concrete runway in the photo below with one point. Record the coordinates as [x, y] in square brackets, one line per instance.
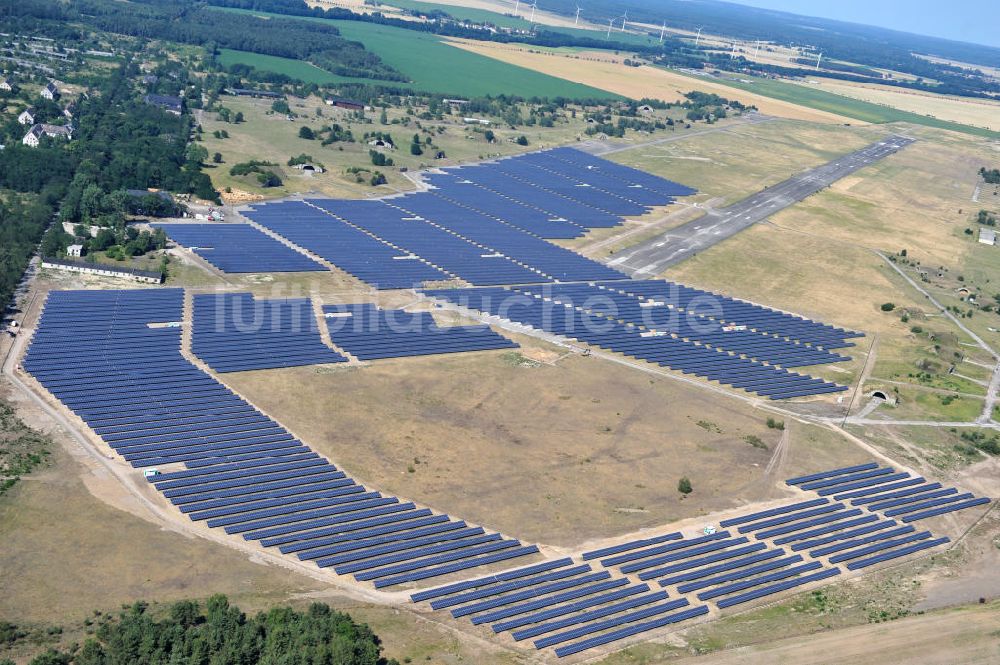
[653, 256]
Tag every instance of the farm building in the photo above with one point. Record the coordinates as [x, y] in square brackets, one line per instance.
[475, 121]
[343, 103]
[133, 274]
[988, 236]
[168, 103]
[248, 92]
[27, 116]
[74, 250]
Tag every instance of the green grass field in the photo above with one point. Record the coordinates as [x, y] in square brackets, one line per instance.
[432, 65]
[297, 69]
[852, 108]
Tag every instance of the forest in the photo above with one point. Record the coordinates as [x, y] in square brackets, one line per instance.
[219, 633]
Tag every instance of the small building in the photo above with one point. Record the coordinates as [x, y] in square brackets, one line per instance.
[28, 116]
[50, 91]
[439, 154]
[987, 236]
[168, 103]
[70, 112]
[344, 103]
[248, 92]
[103, 270]
[7, 85]
[150, 79]
[382, 143]
[456, 102]
[476, 121]
[35, 134]
[74, 250]
[645, 108]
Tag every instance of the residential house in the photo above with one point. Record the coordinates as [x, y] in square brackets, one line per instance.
[7, 85]
[35, 134]
[168, 103]
[50, 91]
[27, 116]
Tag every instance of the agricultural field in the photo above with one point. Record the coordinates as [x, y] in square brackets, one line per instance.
[982, 113]
[298, 69]
[598, 70]
[419, 56]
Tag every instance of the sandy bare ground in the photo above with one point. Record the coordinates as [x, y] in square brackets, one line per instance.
[966, 636]
[636, 82]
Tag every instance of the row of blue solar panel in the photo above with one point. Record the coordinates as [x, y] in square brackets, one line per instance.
[239, 248]
[368, 333]
[686, 356]
[242, 472]
[235, 332]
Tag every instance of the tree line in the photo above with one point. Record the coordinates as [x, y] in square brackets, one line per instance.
[219, 633]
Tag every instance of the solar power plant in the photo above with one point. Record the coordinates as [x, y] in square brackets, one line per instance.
[591, 324]
[737, 312]
[485, 224]
[884, 491]
[234, 332]
[239, 248]
[368, 333]
[559, 208]
[551, 261]
[474, 263]
[561, 604]
[352, 250]
[239, 470]
[688, 324]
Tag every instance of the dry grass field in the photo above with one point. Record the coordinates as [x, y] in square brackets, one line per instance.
[966, 110]
[521, 446]
[637, 82]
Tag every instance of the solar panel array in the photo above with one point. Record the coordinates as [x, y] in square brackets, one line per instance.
[486, 224]
[885, 491]
[239, 248]
[748, 348]
[238, 470]
[234, 332]
[561, 604]
[368, 333]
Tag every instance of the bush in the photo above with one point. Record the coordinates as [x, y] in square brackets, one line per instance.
[269, 179]
[522, 140]
[775, 424]
[415, 149]
[306, 133]
[888, 306]
[684, 486]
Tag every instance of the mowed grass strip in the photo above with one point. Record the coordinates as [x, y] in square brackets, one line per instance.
[433, 65]
[852, 108]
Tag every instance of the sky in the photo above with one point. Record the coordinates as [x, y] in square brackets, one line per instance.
[975, 21]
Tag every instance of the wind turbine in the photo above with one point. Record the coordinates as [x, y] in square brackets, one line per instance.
[624, 20]
[818, 58]
[662, 30]
[732, 56]
[756, 50]
[517, 3]
[534, 5]
[577, 21]
[610, 23]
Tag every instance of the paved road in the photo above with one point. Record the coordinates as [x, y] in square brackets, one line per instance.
[655, 255]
